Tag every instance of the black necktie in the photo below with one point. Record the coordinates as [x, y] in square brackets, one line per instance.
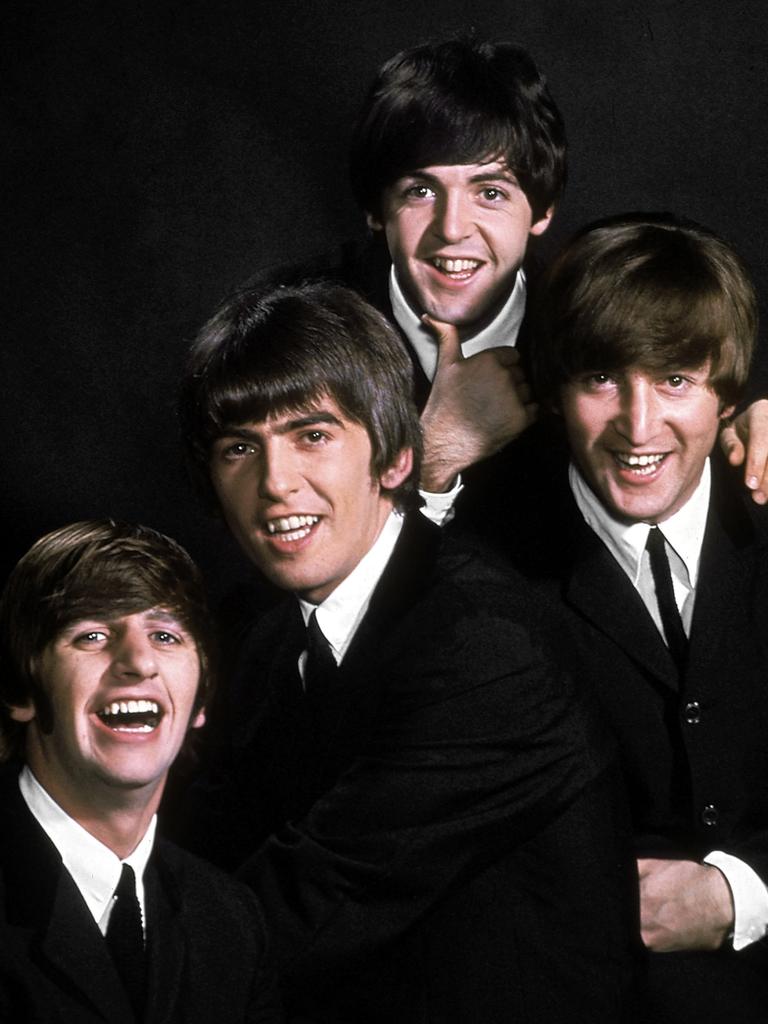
[125, 940]
[677, 642]
[320, 667]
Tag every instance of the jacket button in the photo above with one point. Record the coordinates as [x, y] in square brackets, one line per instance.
[710, 815]
[692, 712]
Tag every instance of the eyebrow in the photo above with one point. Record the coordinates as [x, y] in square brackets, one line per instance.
[500, 174]
[295, 423]
[108, 618]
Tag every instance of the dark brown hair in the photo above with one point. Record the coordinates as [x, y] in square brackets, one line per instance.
[650, 290]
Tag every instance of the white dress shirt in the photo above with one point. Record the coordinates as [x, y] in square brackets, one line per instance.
[501, 331]
[93, 866]
[683, 536]
[339, 615]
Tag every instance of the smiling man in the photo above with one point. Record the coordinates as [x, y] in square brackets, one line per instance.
[106, 668]
[418, 800]
[659, 563]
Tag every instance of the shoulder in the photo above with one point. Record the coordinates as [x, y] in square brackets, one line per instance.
[465, 616]
[733, 508]
[204, 892]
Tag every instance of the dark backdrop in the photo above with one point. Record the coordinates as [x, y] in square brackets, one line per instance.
[159, 152]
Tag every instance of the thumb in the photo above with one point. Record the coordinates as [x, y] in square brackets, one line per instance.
[448, 344]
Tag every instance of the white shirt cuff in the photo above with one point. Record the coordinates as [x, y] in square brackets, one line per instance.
[438, 507]
[750, 898]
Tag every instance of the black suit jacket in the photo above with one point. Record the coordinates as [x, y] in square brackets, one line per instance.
[694, 751]
[435, 840]
[205, 939]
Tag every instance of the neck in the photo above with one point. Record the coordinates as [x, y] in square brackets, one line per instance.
[121, 830]
[117, 816]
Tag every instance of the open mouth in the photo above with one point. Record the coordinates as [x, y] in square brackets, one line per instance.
[131, 715]
[458, 269]
[640, 465]
[291, 528]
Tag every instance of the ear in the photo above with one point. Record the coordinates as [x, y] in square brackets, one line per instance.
[22, 712]
[541, 226]
[399, 471]
[373, 222]
[726, 412]
[199, 720]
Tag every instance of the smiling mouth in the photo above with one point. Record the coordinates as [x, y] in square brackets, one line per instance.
[459, 269]
[291, 527]
[640, 465]
[131, 715]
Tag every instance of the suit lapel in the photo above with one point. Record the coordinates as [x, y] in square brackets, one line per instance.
[44, 902]
[724, 593]
[166, 941]
[599, 589]
[351, 705]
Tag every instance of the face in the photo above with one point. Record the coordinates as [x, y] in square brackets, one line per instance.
[457, 235]
[298, 495]
[122, 691]
[641, 439]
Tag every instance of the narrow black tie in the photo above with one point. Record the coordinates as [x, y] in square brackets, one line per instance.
[125, 940]
[320, 667]
[677, 642]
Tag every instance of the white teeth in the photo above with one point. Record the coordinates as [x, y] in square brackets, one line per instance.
[133, 707]
[290, 523]
[643, 465]
[455, 266]
[643, 460]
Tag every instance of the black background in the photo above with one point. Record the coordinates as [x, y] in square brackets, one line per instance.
[158, 153]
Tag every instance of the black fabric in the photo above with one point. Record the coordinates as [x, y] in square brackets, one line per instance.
[674, 633]
[320, 668]
[125, 940]
[692, 748]
[207, 954]
[437, 841]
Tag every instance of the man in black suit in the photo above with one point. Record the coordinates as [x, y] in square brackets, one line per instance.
[106, 666]
[420, 804]
[659, 564]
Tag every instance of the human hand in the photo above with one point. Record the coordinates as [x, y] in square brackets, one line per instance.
[683, 905]
[745, 441]
[475, 407]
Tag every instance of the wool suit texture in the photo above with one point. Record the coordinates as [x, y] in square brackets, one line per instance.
[206, 946]
[693, 748]
[435, 839]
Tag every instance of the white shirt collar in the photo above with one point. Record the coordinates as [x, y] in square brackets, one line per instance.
[341, 612]
[502, 330]
[93, 866]
[683, 531]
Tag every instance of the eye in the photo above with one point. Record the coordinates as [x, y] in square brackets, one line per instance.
[90, 637]
[419, 192]
[162, 636]
[237, 450]
[676, 380]
[314, 437]
[493, 194]
[595, 381]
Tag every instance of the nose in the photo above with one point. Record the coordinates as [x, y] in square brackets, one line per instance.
[453, 216]
[135, 658]
[638, 415]
[278, 473]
